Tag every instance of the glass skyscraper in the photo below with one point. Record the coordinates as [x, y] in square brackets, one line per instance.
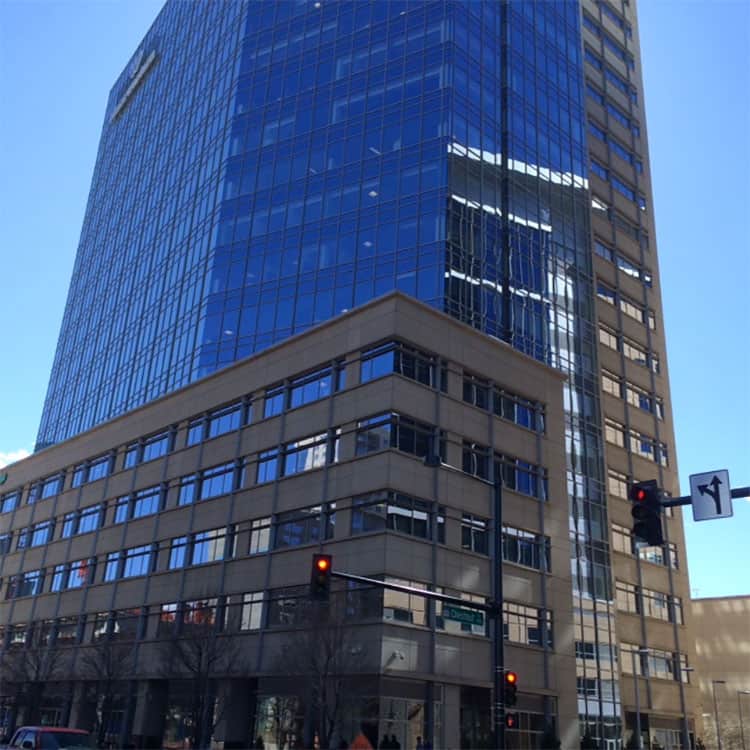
[266, 166]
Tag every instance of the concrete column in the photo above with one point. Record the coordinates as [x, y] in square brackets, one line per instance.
[237, 704]
[150, 713]
[83, 708]
[451, 728]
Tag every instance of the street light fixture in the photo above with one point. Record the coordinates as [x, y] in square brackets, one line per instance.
[641, 652]
[714, 683]
[739, 710]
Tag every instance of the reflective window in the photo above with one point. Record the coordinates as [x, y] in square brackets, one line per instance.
[402, 359]
[305, 526]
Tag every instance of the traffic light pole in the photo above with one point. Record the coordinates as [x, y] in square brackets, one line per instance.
[688, 500]
[498, 714]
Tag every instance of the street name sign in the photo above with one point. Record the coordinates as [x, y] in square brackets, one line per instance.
[459, 614]
[711, 495]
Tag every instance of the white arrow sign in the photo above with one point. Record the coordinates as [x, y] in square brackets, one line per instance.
[711, 495]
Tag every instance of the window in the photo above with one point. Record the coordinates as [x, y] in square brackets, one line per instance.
[387, 510]
[10, 501]
[147, 501]
[402, 359]
[178, 552]
[128, 624]
[210, 546]
[91, 470]
[46, 488]
[251, 614]
[122, 509]
[608, 338]
[72, 575]
[137, 561]
[287, 606]
[614, 432]
[25, 584]
[611, 384]
[268, 465]
[89, 519]
[305, 389]
[310, 453]
[599, 170]
[404, 607]
[112, 566]
[504, 404]
[526, 625]
[393, 430]
[5, 542]
[36, 535]
[149, 448]
[186, 489]
[521, 476]
[274, 402]
[476, 460]
[142, 503]
[303, 526]
[627, 597]
[526, 548]
[200, 614]
[219, 480]
[167, 620]
[474, 534]
[217, 422]
[260, 535]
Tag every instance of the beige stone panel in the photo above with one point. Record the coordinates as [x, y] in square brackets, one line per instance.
[183, 462]
[403, 553]
[22, 517]
[71, 601]
[202, 581]
[209, 514]
[140, 532]
[34, 558]
[411, 642]
[301, 490]
[130, 592]
[57, 552]
[460, 491]
[99, 597]
[118, 484]
[609, 359]
[164, 587]
[149, 474]
[629, 628]
[175, 521]
[249, 574]
[255, 503]
[23, 609]
[307, 420]
[463, 658]
[527, 662]
[220, 450]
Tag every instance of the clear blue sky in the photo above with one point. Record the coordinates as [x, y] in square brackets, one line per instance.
[58, 61]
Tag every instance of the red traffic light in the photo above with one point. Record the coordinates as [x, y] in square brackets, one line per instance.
[511, 721]
[511, 678]
[640, 495]
[320, 577]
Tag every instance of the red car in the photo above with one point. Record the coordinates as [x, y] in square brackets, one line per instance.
[50, 738]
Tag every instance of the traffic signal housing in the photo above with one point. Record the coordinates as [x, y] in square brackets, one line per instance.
[646, 511]
[511, 721]
[510, 689]
[320, 577]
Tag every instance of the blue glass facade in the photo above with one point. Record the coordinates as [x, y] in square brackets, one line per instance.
[266, 166]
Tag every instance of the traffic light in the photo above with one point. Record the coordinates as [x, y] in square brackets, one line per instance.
[646, 510]
[510, 691]
[320, 577]
[511, 721]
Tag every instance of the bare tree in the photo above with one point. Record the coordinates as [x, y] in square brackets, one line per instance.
[201, 655]
[328, 660]
[108, 664]
[29, 673]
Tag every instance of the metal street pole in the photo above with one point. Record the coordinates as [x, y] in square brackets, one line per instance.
[739, 711]
[638, 698]
[714, 683]
[499, 635]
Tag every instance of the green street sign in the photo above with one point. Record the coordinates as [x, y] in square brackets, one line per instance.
[459, 614]
[3, 478]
